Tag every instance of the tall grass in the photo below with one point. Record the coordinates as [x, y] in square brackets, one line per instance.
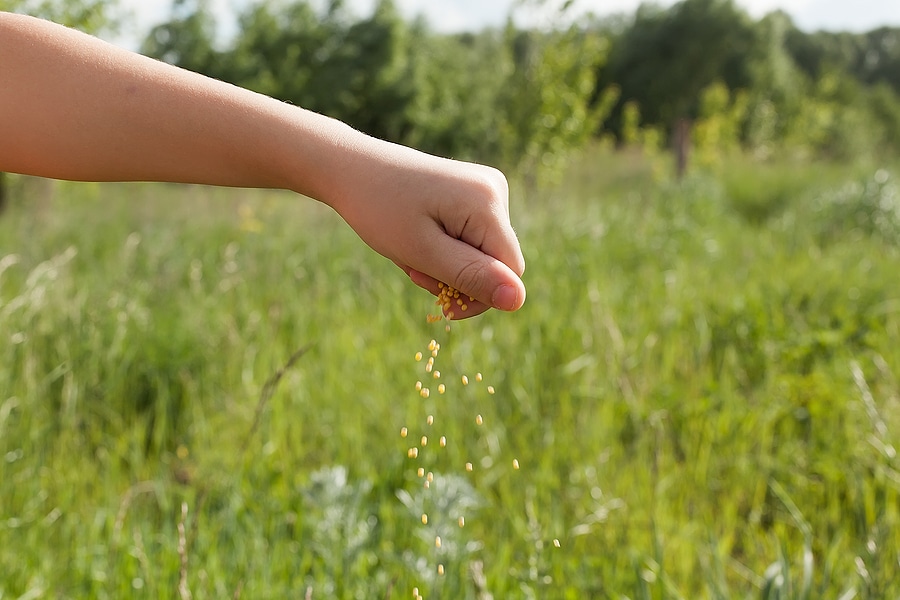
[702, 395]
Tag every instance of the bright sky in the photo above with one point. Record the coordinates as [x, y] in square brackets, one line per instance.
[457, 15]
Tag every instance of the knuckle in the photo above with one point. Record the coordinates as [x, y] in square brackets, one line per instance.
[471, 278]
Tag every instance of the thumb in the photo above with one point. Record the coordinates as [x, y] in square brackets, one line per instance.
[475, 274]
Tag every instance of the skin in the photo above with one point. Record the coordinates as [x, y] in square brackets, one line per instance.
[74, 107]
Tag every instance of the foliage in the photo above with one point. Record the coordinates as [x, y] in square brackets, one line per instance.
[94, 16]
[667, 57]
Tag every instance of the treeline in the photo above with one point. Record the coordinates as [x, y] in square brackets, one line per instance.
[522, 98]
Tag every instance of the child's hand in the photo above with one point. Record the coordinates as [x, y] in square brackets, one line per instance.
[439, 220]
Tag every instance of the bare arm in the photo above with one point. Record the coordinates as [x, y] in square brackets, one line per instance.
[74, 107]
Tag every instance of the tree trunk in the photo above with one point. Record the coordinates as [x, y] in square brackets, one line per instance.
[682, 145]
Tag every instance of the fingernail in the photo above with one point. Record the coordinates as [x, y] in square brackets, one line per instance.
[506, 297]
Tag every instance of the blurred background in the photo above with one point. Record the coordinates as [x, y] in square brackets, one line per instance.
[202, 390]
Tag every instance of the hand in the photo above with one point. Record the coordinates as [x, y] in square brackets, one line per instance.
[439, 220]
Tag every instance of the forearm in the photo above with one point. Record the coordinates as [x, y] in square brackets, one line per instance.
[74, 107]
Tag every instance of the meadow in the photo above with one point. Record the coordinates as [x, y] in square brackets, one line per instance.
[202, 392]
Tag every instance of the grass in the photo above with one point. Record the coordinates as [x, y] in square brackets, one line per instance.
[702, 392]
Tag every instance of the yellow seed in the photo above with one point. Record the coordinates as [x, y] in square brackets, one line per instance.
[490, 389]
[424, 440]
[464, 307]
[427, 484]
[461, 521]
[515, 463]
[478, 377]
[479, 420]
[437, 541]
[424, 519]
[403, 432]
[434, 353]
[556, 543]
[442, 388]
[432, 344]
[469, 467]
[413, 453]
[418, 356]
[440, 569]
[421, 472]
[425, 393]
[430, 476]
[443, 441]
[447, 327]
[429, 419]
[459, 302]
[418, 386]
[465, 380]
[437, 375]
[429, 367]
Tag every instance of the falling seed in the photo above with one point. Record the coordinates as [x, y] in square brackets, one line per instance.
[437, 375]
[418, 356]
[424, 519]
[432, 344]
[490, 389]
[440, 569]
[478, 377]
[429, 419]
[442, 388]
[465, 380]
[434, 353]
[427, 484]
[418, 386]
[447, 327]
[430, 476]
[425, 392]
[429, 367]
[469, 467]
[516, 463]
[424, 440]
[437, 541]
[461, 521]
[556, 543]
[443, 441]
[421, 472]
[403, 432]
[413, 453]
[478, 420]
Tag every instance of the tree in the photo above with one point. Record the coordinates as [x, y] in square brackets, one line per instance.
[545, 107]
[666, 58]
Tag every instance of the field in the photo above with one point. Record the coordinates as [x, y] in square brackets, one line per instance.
[202, 392]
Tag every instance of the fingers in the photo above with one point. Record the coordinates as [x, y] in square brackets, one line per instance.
[474, 273]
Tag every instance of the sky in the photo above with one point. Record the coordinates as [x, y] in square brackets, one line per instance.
[461, 15]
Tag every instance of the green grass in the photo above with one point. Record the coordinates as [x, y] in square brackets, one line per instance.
[702, 392]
